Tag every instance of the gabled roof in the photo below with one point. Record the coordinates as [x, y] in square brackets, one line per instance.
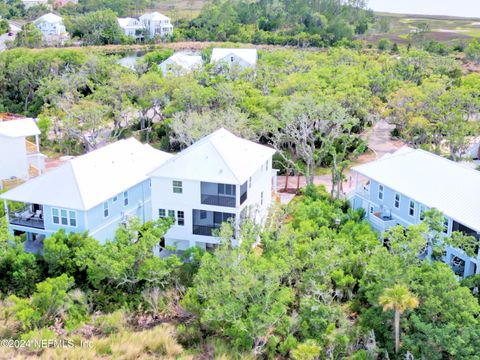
[154, 16]
[50, 18]
[89, 180]
[431, 180]
[19, 128]
[128, 22]
[185, 60]
[247, 55]
[220, 157]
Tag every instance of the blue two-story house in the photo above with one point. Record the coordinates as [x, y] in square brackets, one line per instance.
[95, 192]
[399, 187]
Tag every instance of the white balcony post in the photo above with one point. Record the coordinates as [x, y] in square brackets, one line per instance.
[5, 204]
[37, 143]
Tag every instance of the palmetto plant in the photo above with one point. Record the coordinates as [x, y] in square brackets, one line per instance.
[399, 299]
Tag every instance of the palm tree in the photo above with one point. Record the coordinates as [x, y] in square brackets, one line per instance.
[399, 299]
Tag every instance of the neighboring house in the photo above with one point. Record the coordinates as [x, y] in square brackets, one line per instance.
[95, 192]
[9, 37]
[181, 63]
[156, 24]
[399, 187]
[20, 157]
[132, 27]
[218, 178]
[50, 25]
[30, 3]
[235, 58]
[474, 149]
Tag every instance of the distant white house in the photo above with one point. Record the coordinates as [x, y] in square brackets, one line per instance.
[156, 24]
[20, 158]
[50, 25]
[8, 38]
[31, 3]
[181, 63]
[219, 178]
[240, 58]
[132, 27]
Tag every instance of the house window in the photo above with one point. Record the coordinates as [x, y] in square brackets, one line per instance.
[203, 214]
[411, 208]
[422, 213]
[55, 216]
[226, 189]
[180, 218]
[445, 225]
[105, 209]
[380, 192]
[397, 200]
[162, 213]
[177, 187]
[115, 198]
[231, 58]
[261, 198]
[72, 216]
[125, 198]
[63, 217]
[250, 182]
[171, 214]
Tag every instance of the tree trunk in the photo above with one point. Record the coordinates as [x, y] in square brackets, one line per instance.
[287, 174]
[397, 331]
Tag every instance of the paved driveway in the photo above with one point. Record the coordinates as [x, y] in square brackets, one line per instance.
[379, 142]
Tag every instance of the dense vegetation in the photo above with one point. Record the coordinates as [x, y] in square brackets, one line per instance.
[335, 94]
[300, 22]
[310, 287]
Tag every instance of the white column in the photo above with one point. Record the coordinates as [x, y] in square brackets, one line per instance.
[5, 204]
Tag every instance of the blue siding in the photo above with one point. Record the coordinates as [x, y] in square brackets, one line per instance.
[103, 228]
[93, 221]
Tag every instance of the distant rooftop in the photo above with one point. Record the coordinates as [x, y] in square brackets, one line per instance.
[248, 55]
[19, 127]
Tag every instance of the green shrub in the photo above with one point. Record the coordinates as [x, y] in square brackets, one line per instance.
[111, 323]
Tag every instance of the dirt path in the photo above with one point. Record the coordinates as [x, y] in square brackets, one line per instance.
[379, 142]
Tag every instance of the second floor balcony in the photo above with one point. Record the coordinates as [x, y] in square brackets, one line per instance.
[29, 216]
[222, 194]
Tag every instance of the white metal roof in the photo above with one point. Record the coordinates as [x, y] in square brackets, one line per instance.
[220, 157]
[128, 22]
[248, 55]
[19, 128]
[154, 16]
[431, 180]
[88, 180]
[50, 18]
[185, 60]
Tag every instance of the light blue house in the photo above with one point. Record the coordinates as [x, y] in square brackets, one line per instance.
[399, 187]
[95, 192]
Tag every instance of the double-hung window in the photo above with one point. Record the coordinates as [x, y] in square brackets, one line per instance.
[55, 216]
[125, 198]
[445, 225]
[171, 214]
[411, 208]
[397, 201]
[180, 218]
[63, 217]
[177, 187]
[162, 213]
[105, 209]
[72, 217]
[380, 192]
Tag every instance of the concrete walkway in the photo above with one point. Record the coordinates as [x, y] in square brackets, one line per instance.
[379, 143]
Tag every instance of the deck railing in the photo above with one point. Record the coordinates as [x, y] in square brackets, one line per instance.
[218, 200]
